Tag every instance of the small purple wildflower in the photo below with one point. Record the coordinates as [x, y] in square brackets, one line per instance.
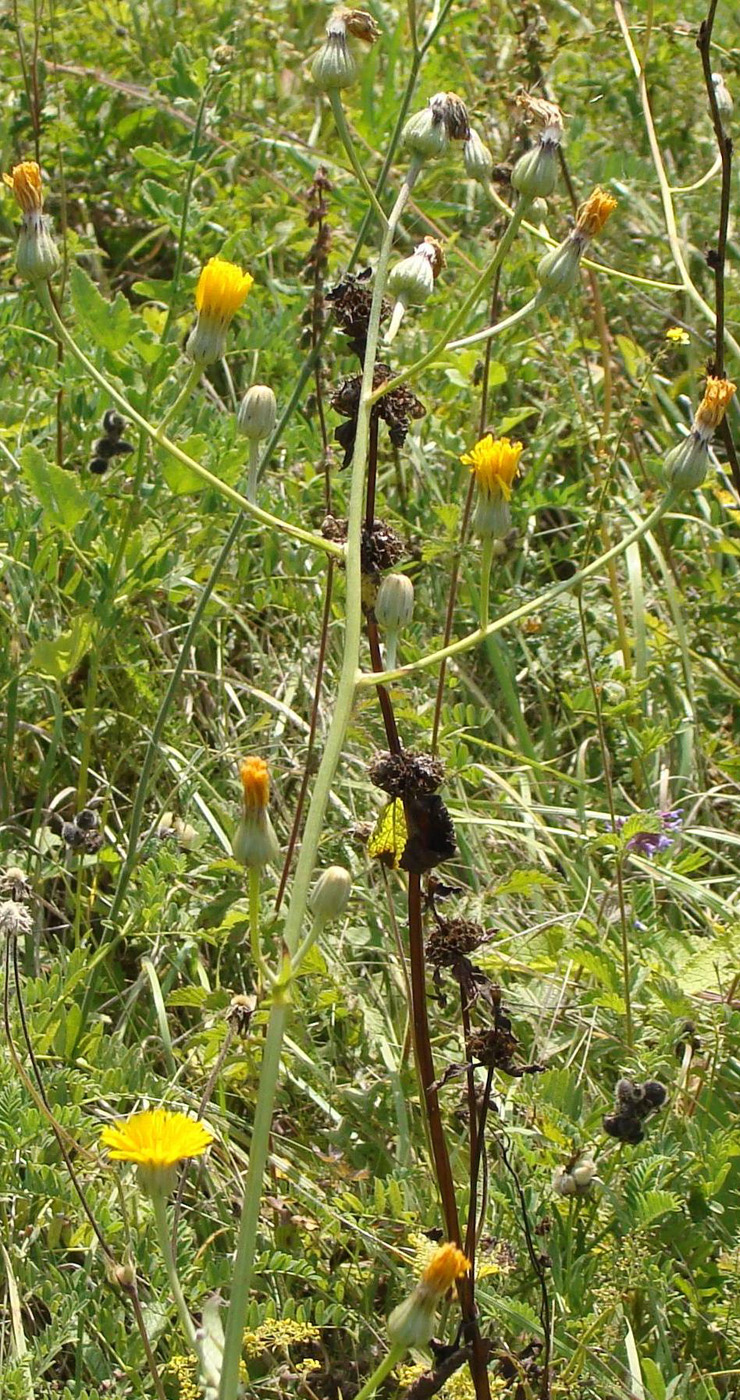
[649, 843]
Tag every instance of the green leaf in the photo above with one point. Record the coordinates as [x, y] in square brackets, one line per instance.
[59, 657]
[183, 480]
[108, 323]
[57, 490]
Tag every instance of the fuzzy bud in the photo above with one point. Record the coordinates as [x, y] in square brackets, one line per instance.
[257, 412]
[557, 271]
[37, 256]
[411, 1324]
[687, 464]
[330, 894]
[394, 605]
[425, 134]
[477, 158]
[723, 95]
[535, 172]
[335, 66]
[255, 843]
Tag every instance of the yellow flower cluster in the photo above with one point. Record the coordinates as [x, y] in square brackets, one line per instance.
[255, 778]
[279, 1332]
[183, 1368]
[156, 1138]
[494, 463]
[446, 1266]
[25, 182]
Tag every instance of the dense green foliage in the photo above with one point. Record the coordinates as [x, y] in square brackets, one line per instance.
[169, 132]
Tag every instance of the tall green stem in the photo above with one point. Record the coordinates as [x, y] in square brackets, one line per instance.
[243, 1265]
[379, 1375]
[486, 559]
[159, 1203]
[345, 134]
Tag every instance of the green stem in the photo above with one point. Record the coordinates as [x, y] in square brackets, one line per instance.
[379, 1375]
[462, 314]
[488, 334]
[536, 604]
[307, 943]
[243, 1264]
[254, 463]
[194, 374]
[264, 516]
[159, 1203]
[486, 560]
[349, 146]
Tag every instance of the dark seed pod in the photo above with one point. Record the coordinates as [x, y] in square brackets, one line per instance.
[72, 836]
[106, 447]
[655, 1093]
[113, 423]
[98, 466]
[623, 1127]
[94, 841]
[87, 819]
[122, 449]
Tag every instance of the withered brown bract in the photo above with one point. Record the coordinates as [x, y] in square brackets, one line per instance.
[431, 836]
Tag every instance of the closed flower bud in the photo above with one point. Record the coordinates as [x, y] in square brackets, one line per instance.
[425, 134]
[37, 256]
[394, 605]
[257, 412]
[477, 157]
[557, 271]
[687, 464]
[722, 94]
[535, 172]
[584, 1174]
[334, 66]
[412, 280]
[330, 894]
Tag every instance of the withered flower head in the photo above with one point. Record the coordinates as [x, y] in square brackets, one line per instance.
[397, 409]
[594, 212]
[382, 546]
[351, 300]
[25, 182]
[546, 115]
[711, 410]
[452, 939]
[359, 24]
[406, 774]
[447, 107]
[437, 258]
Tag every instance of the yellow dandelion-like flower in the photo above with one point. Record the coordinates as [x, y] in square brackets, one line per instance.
[711, 410]
[155, 1141]
[25, 182]
[255, 777]
[677, 335]
[594, 213]
[222, 288]
[446, 1266]
[494, 463]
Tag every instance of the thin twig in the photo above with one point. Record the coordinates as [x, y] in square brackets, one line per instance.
[535, 1260]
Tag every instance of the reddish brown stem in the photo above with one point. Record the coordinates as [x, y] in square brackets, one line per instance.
[386, 707]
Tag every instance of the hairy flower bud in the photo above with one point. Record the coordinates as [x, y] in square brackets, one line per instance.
[425, 134]
[411, 1324]
[412, 280]
[257, 412]
[394, 605]
[37, 256]
[557, 271]
[686, 465]
[254, 843]
[535, 172]
[477, 158]
[330, 894]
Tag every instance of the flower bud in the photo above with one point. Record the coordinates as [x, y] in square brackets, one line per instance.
[330, 894]
[557, 271]
[412, 280]
[254, 843]
[334, 66]
[37, 256]
[394, 605]
[535, 172]
[687, 464]
[723, 95]
[477, 158]
[425, 134]
[257, 412]
[563, 1183]
[583, 1174]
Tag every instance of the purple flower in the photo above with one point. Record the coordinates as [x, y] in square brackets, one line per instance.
[649, 843]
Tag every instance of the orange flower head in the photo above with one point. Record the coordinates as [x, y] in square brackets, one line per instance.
[494, 463]
[446, 1266]
[594, 213]
[25, 182]
[711, 410]
[222, 288]
[255, 778]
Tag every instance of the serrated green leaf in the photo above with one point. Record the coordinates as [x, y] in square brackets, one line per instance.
[59, 656]
[108, 323]
[56, 490]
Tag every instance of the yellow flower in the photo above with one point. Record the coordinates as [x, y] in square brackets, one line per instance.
[255, 843]
[156, 1141]
[711, 410]
[494, 463]
[25, 182]
[222, 288]
[255, 778]
[677, 335]
[594, 213]
[446, 1266]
